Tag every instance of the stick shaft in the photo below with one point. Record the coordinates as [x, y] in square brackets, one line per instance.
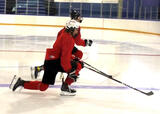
[110, 77]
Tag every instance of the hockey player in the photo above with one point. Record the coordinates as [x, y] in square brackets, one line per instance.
[75, 15]
[58, 59]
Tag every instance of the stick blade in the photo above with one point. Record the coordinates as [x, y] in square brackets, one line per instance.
[149, 93]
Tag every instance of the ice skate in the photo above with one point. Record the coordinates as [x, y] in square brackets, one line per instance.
[19, 83]
[67, 91]
[35, 72]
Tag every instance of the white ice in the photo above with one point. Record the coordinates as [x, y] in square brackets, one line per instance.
[132, 58]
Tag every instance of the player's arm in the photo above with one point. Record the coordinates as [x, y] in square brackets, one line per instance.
[82, 42]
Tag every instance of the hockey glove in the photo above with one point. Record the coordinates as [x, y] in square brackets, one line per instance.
[82, 64]
[76, 60]
[88, 42]
[74, 66]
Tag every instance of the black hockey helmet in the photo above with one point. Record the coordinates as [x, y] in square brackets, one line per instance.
[75, 14]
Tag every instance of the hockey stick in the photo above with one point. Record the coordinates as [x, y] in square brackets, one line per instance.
[110, 77]
[99, 72]
[95, 69]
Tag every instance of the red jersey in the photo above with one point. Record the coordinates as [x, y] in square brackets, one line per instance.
[62, 49]
[77, 39]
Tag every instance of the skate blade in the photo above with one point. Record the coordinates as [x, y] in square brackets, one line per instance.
[67, 94]
[14, 80]
[32, 73]
[61, 76]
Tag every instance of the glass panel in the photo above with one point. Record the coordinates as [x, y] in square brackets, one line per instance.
[142, 13]
[64, 9]
[154, 13]
[53, 8]
[106, 10]
[114, 10]
[21, 6]
[96, 7]
[32, 7]
[130, 8]
[148, 13]
[86, 9]
[124, 10]
[137, 8]
[41, 7]
[75, 6]
[2, 6]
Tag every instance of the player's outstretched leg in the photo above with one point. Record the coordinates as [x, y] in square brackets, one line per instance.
[66, 90]
[31, 85]
[35, 71]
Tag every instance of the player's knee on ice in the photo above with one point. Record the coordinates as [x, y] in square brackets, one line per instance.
[43, 87]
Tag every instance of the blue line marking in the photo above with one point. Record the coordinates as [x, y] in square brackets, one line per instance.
[93, 87]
